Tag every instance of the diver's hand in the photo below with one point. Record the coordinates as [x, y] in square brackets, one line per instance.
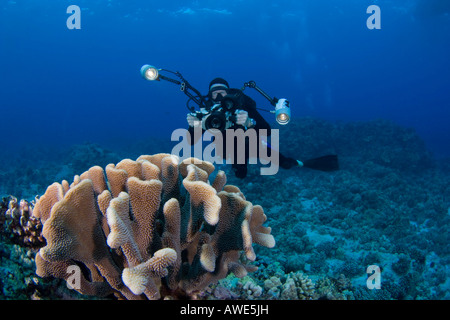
[193, 121]
[241, 117]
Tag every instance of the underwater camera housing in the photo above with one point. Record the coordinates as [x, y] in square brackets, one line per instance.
[222, 115]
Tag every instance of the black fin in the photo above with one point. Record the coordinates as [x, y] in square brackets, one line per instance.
[324, 163]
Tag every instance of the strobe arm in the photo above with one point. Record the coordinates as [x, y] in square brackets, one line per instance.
[169, 79]
[151, 73]
[252, 84]
[282, 109]
[185, 86]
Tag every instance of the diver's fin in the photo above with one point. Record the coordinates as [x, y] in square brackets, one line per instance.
[324, 163]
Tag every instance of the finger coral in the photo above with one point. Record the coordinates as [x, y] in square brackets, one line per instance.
[148, 229]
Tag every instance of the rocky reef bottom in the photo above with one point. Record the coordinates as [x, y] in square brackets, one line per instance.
[388, 205]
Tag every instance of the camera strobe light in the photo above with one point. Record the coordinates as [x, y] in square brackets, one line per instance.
[149, 72]
[283, 112]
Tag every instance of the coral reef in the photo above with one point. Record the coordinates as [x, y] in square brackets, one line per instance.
[387, 206]
[80, 157]
[379, 141]
[394, 213]
[282, 286]
[19, 224]
[151, 228]
[20, 237]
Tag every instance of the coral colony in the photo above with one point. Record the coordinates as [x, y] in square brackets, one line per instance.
[144, 232]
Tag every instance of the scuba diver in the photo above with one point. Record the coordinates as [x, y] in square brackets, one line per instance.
[246, 117]
[226, 108]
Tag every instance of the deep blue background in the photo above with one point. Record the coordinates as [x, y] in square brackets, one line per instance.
[60, 86]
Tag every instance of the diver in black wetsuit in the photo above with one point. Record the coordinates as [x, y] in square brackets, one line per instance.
[245, 117]
[226, 108]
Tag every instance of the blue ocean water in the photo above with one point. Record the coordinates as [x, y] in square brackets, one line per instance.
[61, 86]
[74, 98]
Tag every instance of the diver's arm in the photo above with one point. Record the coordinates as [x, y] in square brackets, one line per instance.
[261, 123]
